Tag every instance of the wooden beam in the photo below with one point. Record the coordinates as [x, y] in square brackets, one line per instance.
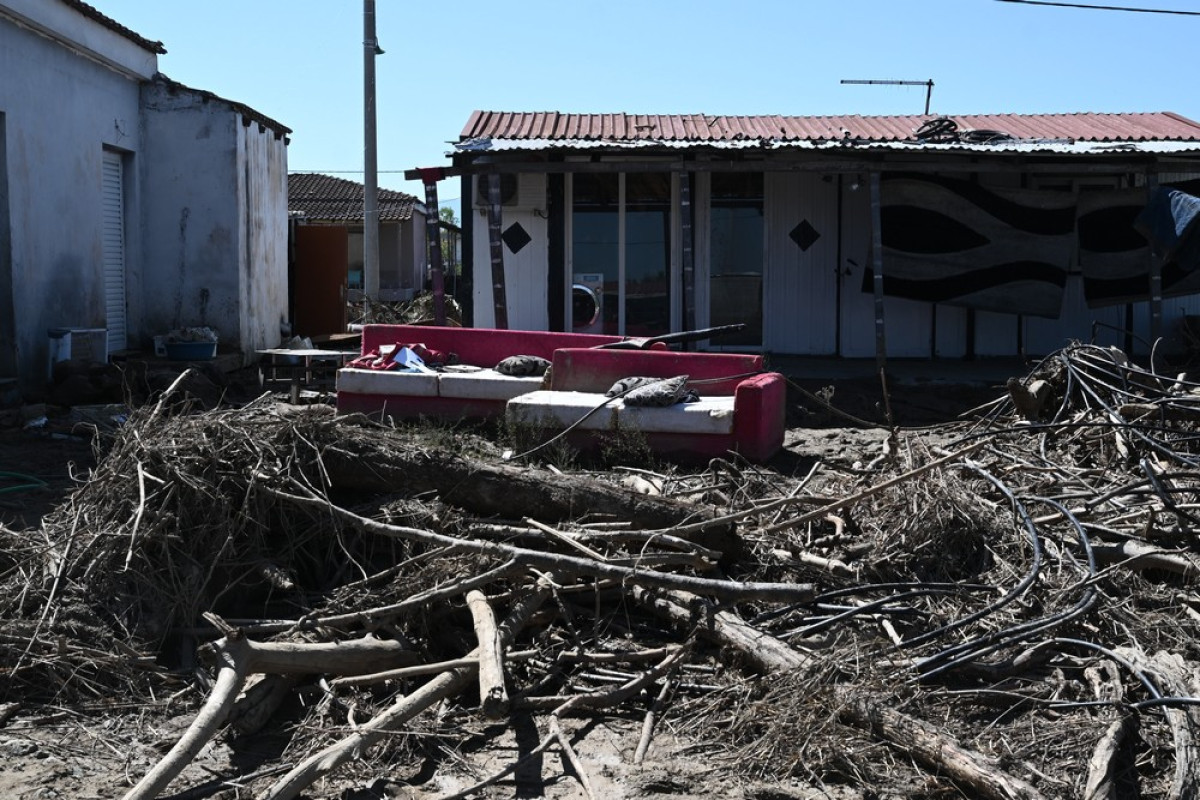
[877, 270]
[496, 246]
[686, 256]
[833, 163]
[1156, 264]
[433, 236]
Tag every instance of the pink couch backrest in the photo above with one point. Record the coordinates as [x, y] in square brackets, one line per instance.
[481, 347]
[597, 370]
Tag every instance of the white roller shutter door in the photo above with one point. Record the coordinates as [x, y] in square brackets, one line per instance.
[113, 232]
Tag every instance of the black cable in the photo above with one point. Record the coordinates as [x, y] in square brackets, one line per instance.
[1091, 7]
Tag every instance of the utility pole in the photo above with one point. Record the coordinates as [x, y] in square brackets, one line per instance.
[927, 84]
[370, 164]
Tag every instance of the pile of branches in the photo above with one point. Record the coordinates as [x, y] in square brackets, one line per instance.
[1006, 615]
[418, 311]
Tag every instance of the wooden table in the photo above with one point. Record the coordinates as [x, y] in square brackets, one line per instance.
[301, 367]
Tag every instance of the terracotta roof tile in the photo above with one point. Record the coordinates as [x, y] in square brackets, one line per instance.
[324, 198]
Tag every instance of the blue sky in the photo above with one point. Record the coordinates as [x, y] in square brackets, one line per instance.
[301, 62]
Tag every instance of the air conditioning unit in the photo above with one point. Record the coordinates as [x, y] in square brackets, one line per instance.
[525, 190]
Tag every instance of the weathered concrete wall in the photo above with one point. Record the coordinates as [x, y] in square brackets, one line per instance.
[61, 107]
[191, 225]
[214, 219]
[263, 197]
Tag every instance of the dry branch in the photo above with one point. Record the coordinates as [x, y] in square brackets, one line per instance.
[444, 685]
[724, 627]
[493, 696]
[934, 749]
[237, 658]
[1101, 781]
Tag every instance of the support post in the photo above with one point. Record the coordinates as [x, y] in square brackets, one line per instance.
[433, 236]
[877, 270]
[686, 256]
[496, 247]
[370, 163]
[1156, 263]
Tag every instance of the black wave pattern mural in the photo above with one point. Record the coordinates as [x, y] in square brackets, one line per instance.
[1113, 256]
[1120, 231]
[955, 242]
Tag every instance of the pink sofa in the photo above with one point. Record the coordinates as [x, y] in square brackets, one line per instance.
[741, 407]
[474, 395]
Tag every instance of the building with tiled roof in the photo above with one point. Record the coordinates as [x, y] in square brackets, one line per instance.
[325, 198]
[850, 235]
[326, 223]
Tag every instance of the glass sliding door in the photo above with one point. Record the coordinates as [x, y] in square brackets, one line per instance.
[595, 253]
[647, 253]
[736, 255]
[621, 253]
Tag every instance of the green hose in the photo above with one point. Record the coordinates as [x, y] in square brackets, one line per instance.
[27, 482]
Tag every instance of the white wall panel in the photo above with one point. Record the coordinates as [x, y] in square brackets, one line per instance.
[526, 279]
[800, 285]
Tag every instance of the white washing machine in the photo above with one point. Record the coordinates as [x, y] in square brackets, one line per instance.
[587, 302]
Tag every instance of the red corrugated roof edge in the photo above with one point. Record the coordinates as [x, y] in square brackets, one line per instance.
[621, 127]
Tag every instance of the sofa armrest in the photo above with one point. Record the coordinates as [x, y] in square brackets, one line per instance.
[760, 405]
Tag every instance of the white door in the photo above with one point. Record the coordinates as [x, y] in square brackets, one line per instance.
[113, 232]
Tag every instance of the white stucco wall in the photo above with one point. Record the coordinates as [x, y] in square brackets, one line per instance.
[190, 218]
[60, 108]
[264, 272]
[214, 220]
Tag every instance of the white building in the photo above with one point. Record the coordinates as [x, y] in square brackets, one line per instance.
[848, 236]
[128, 202]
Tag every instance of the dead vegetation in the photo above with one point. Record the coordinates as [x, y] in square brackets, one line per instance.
[1007, 614]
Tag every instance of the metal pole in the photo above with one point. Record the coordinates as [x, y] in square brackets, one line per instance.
[370, 164]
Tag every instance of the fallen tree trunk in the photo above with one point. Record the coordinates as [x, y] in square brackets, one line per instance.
[509, 491]
[917, 739]
[725, 628]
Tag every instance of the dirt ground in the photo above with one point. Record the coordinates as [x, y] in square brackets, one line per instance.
[99, 750]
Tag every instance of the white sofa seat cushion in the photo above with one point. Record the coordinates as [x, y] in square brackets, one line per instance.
[711, 415]
[708, 415]
[486, 384]
[561, 409]
[387, 382]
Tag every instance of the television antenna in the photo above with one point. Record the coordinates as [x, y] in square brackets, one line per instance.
[927, 84]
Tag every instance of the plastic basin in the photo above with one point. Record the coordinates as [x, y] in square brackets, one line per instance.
[191, 351]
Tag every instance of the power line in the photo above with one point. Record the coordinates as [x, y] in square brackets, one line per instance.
[1091, 7]
[347, 171]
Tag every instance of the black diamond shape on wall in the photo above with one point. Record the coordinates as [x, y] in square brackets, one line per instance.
[515, 237]
[804, 235]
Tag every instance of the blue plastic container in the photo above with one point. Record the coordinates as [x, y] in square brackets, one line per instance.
[191, 351]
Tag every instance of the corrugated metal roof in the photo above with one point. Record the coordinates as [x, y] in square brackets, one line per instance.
[619, 128]
[324, 198]
[1027, 146]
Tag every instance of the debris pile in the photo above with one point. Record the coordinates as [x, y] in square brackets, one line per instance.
[1002, 607]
